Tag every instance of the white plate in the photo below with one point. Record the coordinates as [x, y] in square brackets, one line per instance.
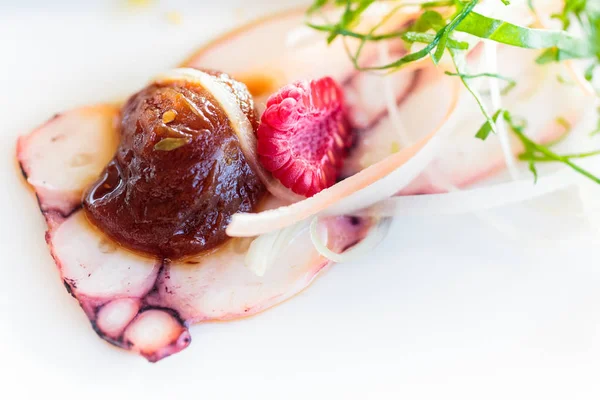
[445, 308]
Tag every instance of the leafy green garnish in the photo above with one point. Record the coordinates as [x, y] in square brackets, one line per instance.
[435, 28]
[486, 128]
[572, 8]
[534, 152]
[588, 18]
[350, 16]
[559, 45]
[317, 5]
[589, 72]
[511, 83]
[437, 43]
[459, 60]
[529, 157]
[565, 45]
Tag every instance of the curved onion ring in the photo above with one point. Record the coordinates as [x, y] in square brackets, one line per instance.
[472, 200]
[374, 237]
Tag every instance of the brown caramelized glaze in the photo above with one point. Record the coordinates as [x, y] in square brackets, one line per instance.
[173, 198]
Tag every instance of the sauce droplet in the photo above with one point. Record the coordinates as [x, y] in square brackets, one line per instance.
[107, 184]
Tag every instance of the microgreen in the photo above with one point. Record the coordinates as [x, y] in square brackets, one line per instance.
[589, 72]
[563, 45]
[459, 60]
[435, 30]
[487, 128]
[534, 152]
[511, 83]
[436, 43]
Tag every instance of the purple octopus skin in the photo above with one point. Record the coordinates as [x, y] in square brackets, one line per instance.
[136, 302]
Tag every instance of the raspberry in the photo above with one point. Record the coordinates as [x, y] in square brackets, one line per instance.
[304, 135]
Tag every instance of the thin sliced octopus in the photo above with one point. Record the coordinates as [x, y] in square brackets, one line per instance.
[145, 304]
[136, 302]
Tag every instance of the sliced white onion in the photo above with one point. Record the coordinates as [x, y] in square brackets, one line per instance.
[472, 200]
[239, 121]
[368, 244]
[390, 97]
[266, 249]
[505, 228]
[491, 56]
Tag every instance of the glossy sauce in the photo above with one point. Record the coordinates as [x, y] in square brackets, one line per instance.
[174, 198]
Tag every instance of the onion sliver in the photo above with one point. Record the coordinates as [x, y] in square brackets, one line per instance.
[472, 200]
[491, 55]
[265, 249]
[375, 236]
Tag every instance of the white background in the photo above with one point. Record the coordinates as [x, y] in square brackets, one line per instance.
[446, 308]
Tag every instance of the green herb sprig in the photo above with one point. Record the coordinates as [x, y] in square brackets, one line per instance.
[510, 83]
[436, 27]
[534, 152]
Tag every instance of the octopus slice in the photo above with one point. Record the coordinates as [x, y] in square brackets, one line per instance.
[137, 302]
[294, 51]
[78, 159]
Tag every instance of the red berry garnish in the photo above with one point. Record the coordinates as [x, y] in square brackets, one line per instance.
[304, 135]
